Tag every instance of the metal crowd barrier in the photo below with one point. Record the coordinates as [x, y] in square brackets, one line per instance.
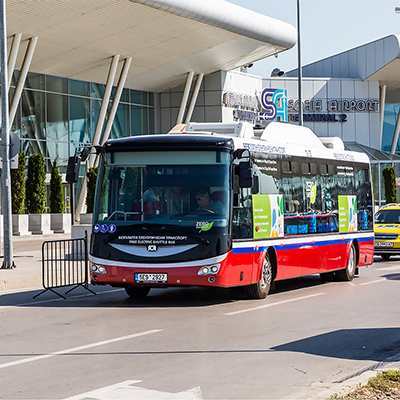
[65, 263]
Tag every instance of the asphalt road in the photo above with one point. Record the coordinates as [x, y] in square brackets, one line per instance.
[196, 343]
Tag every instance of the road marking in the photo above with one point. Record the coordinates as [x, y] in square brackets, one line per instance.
[393, 268]
[369, 283]
[129, 391]
[274, 304]
[79, 348]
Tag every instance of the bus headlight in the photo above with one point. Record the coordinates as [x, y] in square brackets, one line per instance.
[98, 269]
[209, 269]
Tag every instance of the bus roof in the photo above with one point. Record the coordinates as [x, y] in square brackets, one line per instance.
[277, 138]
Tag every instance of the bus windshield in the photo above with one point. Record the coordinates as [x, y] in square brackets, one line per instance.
[169, 188]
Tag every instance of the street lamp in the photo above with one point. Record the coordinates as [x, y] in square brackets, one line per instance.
[299, 65]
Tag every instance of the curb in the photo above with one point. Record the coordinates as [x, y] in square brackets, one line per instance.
[23, 283]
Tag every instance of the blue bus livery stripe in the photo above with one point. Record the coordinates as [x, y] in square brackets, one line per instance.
[294, 246]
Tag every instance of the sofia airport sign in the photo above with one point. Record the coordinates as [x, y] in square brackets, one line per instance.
[277, 107]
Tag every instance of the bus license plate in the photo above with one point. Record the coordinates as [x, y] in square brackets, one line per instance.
[151, 278]
[383, 244]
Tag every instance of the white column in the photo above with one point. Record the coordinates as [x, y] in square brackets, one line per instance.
[193, 100]
[185, 96]
[12, 59]
[396, 134]
[104, 105]
[22, 77]
[382, 101]
[117, 97]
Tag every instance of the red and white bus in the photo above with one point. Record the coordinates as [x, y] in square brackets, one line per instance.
[224, 205]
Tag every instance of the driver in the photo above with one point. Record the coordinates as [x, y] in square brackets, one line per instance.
[205, 203]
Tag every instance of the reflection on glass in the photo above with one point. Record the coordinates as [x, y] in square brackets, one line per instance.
[138, 97]
[79, 88]
[79, 122]
[34, 81]
[56, 84]
[139, 121]
[120, 126]
[57, 117]
[33, 115]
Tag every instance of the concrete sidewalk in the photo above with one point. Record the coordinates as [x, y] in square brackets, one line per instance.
[28, 260]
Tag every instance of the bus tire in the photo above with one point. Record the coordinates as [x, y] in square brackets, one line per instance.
[385, 256]
[137, 291]
[261, 289]
[347, 274]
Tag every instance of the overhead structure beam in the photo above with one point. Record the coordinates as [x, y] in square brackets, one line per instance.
[22, 77]
[97, 134]
[104, 105]
[185, 97]
[12, 59]
[395, 135]
[382, 101]
[115, 103]
[195, 95]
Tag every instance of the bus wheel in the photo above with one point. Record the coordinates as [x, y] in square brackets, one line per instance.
[347, 274]
[260, 289]
[385, 256]
[137, 291]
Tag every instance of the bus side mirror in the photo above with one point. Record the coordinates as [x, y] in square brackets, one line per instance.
[256, 186]
[245, 174]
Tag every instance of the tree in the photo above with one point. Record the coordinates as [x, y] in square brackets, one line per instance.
[57, 204]
[389, 178]
[18, 186]
[91, 188]
[36, 185]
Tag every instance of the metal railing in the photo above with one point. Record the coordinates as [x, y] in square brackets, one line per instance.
[65, 263]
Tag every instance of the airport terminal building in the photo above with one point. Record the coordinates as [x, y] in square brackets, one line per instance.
[152, 64]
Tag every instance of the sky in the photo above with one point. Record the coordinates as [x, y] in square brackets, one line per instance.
[327, 27]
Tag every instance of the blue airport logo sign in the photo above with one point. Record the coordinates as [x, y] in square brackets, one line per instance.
[274, 101]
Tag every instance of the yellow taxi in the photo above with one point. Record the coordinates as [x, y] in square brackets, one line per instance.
[387, 231]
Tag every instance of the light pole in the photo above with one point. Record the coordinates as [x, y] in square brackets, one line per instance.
[5, 142]
[299, 65]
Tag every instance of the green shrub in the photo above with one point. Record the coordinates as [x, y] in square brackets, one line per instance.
[57, 204]
[91, 188]
[18, 186]
[389, 178]
[36, 185]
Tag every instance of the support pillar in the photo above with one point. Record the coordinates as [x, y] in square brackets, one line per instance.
[185, 97]
[193, 100]
[382, 101]
[396, 134]
[12, 59]
[22, 77]
[115, 103]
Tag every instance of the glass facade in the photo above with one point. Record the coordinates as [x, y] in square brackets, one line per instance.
[389, 124]
[379, 160]
[57, 115]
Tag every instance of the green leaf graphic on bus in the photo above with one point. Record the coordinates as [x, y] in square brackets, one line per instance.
[280, 206]
[206, 227]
